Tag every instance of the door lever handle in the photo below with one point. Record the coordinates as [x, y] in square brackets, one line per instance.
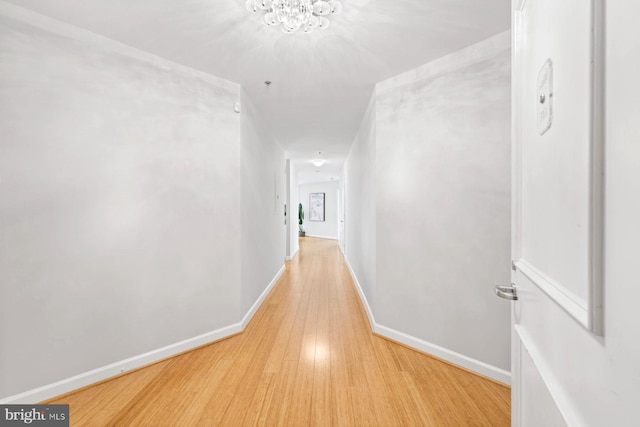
[507, 292]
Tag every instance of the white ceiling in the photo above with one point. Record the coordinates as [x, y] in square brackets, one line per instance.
[321, 81]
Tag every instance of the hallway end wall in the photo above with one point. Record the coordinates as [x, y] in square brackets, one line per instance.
[329, 227]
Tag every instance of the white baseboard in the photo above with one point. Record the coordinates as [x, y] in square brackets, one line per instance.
[290, 258]
[443, 353]
[91, 377]
[86, 378]
[247, 317]
[321, 237]
[453, 357]
[363, 298]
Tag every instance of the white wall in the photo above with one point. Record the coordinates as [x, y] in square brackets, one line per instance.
[292, 220]
[263, 188]
[443, 201]
[428, 207]
[329, 227]
[360, 205]
[119, 176]
[139, 214]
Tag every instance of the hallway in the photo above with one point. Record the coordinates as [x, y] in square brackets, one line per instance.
[308, 357]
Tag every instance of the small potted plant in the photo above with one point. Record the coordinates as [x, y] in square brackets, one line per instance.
[301, 232]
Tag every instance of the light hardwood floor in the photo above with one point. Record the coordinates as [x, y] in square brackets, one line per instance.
[308, 357]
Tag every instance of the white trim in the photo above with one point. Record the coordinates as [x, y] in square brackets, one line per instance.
[554, 290]
[597, 197]
[247, 317]
[321, 237]
[91, 377]
[453, 357]
[516, 201]
[363, 298]
[516, 375]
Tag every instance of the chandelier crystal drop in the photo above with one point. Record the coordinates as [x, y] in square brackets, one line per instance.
[295, 15]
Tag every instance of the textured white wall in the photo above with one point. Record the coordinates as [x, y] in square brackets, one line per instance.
[119, 199]
[443, 201]
[263, 189]
[360, 204]
[292, 213]
[328, 227]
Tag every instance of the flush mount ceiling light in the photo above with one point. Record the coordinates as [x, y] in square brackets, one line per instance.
[293, 15]
[318, 162]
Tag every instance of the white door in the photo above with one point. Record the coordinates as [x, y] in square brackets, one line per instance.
[557, 221]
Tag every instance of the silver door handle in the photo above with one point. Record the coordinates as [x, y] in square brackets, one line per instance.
[507, 292]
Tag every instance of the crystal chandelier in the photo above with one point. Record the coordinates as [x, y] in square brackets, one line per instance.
[293, 15]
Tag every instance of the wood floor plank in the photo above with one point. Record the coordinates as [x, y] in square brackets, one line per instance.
[308, 357]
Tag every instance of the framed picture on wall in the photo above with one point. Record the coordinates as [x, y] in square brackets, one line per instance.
[316, 207]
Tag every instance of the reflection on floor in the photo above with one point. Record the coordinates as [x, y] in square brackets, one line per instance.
[308, 357]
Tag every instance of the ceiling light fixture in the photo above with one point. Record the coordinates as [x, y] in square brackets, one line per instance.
[293, 15]
[318, 162]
